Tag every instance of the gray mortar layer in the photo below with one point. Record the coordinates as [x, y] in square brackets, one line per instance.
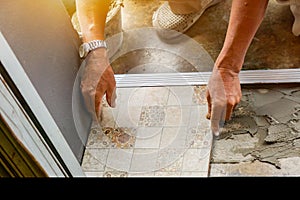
[265, 126]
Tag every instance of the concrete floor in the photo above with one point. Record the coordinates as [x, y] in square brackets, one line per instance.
[274, 47]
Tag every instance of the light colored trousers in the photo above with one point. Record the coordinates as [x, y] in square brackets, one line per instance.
[190, 6]
[187, 6]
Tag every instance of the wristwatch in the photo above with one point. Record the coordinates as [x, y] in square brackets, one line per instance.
[86, 47]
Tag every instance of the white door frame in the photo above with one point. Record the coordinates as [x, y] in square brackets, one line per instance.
[64, 159]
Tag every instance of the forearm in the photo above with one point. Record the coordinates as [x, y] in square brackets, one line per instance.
[245, 18]
[92, 18]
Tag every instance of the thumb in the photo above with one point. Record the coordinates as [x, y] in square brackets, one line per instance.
[208, 98]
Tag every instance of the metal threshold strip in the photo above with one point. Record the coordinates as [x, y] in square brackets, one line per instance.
[201, 78]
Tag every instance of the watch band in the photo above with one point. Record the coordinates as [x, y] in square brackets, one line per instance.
[86, 47]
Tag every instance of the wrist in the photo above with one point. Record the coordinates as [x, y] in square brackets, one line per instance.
[229, 65]
[87, 47]
[99, 52]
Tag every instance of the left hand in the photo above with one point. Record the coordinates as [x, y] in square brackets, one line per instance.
[98, 79]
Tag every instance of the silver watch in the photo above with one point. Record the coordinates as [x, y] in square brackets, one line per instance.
[86, 47]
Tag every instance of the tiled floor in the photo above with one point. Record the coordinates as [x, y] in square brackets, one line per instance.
[153, 131]
[162, 131]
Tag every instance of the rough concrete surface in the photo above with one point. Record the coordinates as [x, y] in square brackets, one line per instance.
[265, 127]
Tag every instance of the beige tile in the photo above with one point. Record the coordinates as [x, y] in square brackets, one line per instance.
[144, 160]
[94, 159]
[141, 174]
[170, 160]
[167, 174]
[148, 137]
[198, 116]
[137, 96]
[194, 174]
[174, 137]
[94, 174]
[177, 116]
[196, 160]
[180, 95]
[131, 96]
[156, 96]
[128, 116]
[119, 159]
[108, 117]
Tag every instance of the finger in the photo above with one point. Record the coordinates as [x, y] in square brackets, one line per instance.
[230, 107]
[111, 97]
[208, 98]
[217, 118]
[98, 99]
[88, 97]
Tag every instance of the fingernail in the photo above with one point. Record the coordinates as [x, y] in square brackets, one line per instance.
[217, 133]
[208, 116]
[113, 103]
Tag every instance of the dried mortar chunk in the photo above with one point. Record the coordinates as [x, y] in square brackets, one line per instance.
[274, 124]
[279, 133]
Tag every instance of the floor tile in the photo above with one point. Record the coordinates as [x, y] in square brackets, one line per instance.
[149, 133]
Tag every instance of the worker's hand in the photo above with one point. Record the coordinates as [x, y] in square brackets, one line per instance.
[223, 94]
[97, 80]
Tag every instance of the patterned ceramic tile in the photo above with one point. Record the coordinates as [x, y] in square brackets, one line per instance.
[153, 132]
[94, 159]
[199, 96]
[199, 137]
[121, 137]
[97, 139]
[115, 174]
[152, 116]
[170, 160]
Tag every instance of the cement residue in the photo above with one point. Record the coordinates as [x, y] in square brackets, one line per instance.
[269, 120]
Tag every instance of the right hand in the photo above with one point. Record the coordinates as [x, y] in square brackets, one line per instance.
[97, 80]
[223, 94]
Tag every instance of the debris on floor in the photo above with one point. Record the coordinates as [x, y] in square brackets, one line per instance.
[265, 126]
